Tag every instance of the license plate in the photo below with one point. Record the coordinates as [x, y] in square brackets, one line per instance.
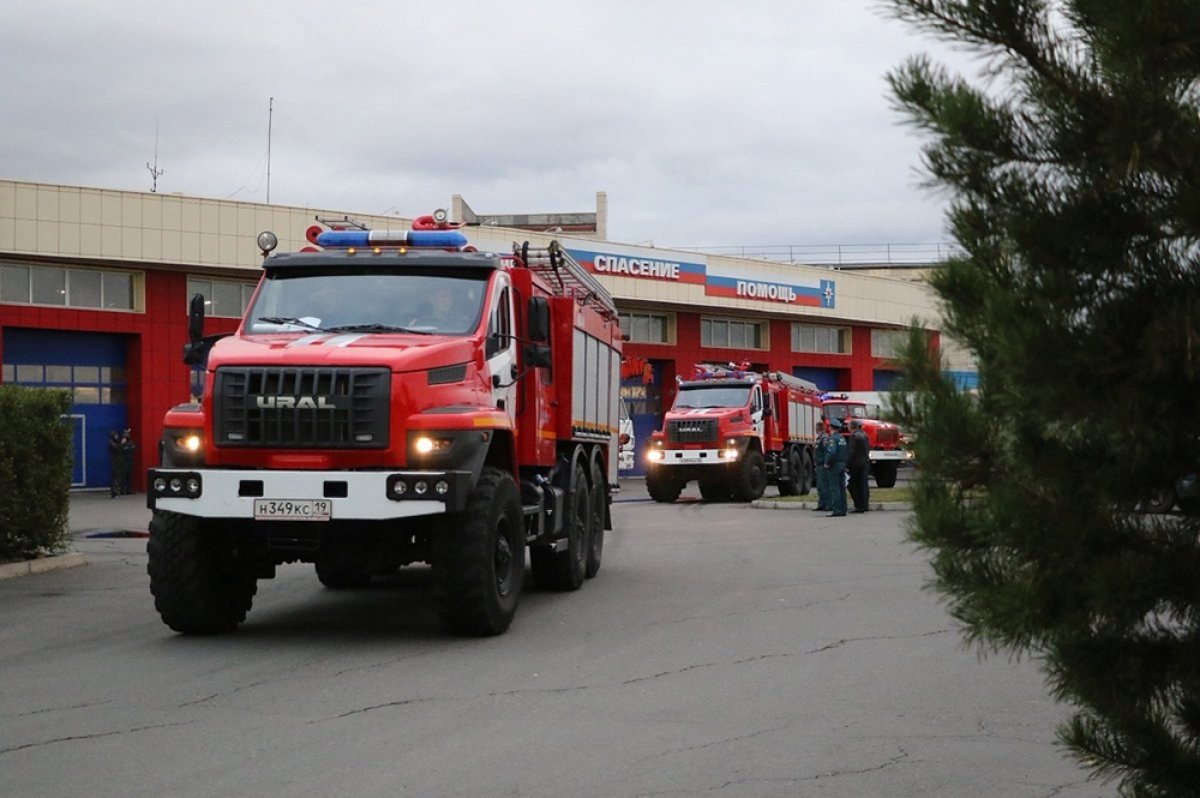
[292, 509]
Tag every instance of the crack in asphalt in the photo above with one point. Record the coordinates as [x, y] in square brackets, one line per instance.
[635, 680]
[96, 735]
[87, 705]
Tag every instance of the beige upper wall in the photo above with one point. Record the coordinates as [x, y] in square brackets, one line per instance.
[93, 223]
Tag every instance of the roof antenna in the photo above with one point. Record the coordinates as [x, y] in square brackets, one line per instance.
[270, 118]
[155, 172]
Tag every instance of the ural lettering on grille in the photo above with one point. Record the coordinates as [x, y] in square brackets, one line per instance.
[302, 407]
[692, 431]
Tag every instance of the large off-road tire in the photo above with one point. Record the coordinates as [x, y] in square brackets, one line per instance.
[565, 570]
[662, 485]
[1159, 501]
[790, 485]
[599, 500]
[199, 584]
[885, 474]
[713, 489]
[479, 558]
[337, 575]
[751, 478]
[808, 473]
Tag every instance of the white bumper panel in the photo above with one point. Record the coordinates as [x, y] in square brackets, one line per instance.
[693, 457]
[365, 498]
[894, 454]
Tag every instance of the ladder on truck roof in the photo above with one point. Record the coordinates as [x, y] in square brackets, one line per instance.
[558, 267]
[795, 383]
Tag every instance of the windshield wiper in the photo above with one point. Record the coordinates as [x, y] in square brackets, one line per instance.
[290, 320]
[376, 327]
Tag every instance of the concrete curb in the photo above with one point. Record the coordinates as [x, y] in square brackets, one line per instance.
[41, 565]
[772, 504]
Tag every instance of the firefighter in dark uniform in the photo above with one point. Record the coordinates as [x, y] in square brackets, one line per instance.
[835, 468]
[819, 466]
[858, 462]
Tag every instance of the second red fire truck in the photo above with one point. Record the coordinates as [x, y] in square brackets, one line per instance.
[735, 431]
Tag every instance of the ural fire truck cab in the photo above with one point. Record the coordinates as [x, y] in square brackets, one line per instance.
[393, 398]
[886, 452]
[735, 431]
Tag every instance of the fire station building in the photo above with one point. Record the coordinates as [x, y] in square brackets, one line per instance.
[94, 288]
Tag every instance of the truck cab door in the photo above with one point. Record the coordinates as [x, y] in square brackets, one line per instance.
[756, 412]
[501, 347]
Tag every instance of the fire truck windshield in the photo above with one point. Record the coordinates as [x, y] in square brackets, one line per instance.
[841, 411]
[737, 395]
[366, 301]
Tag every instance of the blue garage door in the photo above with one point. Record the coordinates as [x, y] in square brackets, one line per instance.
[825, 379]
[92, 367]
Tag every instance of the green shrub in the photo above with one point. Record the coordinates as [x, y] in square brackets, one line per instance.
[35, 471]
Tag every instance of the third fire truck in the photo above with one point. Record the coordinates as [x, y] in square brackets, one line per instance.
[734, 431]
[884, 438]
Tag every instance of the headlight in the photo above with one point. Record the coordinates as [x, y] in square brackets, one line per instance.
[654, 455]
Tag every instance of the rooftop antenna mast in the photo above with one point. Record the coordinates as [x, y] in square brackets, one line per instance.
[270, 117]
[155, 172]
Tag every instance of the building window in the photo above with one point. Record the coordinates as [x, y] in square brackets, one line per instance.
[89, 385]
[888, 343]
[733, 334]
[227, 298]
[649, 328]
[821, 339]
[76, 288]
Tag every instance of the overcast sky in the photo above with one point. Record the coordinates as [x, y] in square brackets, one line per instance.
[707, 122]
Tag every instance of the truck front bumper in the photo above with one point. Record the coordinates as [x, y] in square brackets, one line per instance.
[898, 455]
[351, 495]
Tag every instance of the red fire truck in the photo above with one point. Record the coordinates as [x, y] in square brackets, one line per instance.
[884, 438]
[734, 431]
[392, 398]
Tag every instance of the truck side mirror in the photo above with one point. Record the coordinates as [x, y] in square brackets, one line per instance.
[196, 318]
[538, 316]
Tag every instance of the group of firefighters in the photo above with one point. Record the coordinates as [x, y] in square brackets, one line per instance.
[841, 461]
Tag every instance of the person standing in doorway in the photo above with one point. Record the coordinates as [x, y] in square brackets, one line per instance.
[116, 465]
[127, 450]
[858, 462]
[819, 466]
[835, 468]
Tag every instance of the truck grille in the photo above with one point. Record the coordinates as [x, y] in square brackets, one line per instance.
[302, 407]
[700, 430]
[887, 437]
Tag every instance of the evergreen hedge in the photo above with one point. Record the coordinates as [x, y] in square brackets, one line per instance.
[35, 471]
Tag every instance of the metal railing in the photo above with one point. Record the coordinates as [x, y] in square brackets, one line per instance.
[838, 254]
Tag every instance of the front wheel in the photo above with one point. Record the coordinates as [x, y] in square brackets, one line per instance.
[199, 583]
[662, 486]
[752, 477]
[885, 474]
[479, 558]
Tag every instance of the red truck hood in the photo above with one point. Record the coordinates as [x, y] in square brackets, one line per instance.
[399, 352]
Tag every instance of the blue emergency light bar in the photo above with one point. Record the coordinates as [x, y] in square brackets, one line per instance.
[436, 239]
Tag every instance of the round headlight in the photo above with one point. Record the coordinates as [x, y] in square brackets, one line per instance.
[423, 445]
[160, 485]
[193, 485]
[421, 488]
[267, 241]
[176, 485]
[192, 443]
[442, 487]
[400, 488]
